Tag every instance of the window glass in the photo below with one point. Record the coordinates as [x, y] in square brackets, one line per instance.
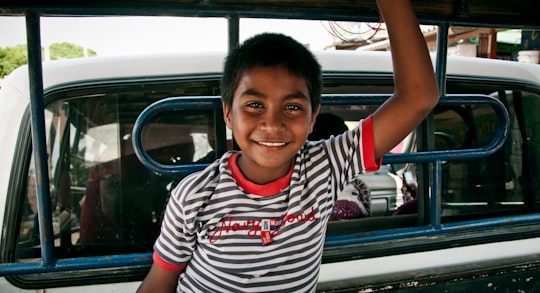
[104, 201]
[471, 189]
[525, 155]
[495, 185]
[180, 137]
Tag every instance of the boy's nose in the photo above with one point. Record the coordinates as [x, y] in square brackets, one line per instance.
[273, 121]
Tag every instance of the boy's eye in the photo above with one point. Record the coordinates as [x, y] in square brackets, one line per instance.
[254, 105]
[292, 107]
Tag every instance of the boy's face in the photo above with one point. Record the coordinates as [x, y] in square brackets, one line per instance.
[270, 118]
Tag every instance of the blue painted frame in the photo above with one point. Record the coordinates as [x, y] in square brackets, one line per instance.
[50, 264]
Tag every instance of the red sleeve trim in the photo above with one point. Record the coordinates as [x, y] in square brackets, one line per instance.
[368, 146]
[165, 265]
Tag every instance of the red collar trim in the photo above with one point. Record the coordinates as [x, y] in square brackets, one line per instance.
[268, 189]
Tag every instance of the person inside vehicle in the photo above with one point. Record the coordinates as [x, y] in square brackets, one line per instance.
[410, 201]
[255, 219]
[353, 201]
[326, 125]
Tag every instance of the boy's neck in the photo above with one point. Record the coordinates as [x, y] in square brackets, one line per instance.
[268, 186]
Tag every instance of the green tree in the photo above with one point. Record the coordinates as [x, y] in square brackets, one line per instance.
[68, 50]
[11, 58]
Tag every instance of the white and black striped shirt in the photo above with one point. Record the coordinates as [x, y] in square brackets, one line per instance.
[236, 236]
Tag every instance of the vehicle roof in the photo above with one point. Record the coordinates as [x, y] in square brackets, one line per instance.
[145, 66]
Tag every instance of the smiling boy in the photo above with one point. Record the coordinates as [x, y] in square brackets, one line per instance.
[255, 220]
[270, 116]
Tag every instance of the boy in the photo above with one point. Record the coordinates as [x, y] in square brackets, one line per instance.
[255, 220]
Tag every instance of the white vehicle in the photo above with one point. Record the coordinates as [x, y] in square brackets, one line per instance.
[480, 223]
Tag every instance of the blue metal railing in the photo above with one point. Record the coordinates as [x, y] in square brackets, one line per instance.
[214, 102]
[38, 138]
[429, 230]
[435, 157]
[170, 104]
[50, 264]
[76, 264]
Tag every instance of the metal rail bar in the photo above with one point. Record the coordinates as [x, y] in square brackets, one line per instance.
[38, 138]
[50, 264]
[429, 231]
[434, 178]
[76, 264]
[125, 260]
[442, 56]
[233, 31]
[362, 13]
[170, 104]
[214, 102]
[435, 211]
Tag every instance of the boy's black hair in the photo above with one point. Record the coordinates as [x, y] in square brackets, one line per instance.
[271, 49]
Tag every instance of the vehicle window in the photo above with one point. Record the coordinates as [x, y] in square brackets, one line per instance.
[104, 200]
[494, 185]
[473, 189]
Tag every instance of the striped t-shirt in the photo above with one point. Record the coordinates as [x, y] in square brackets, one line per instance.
[237, 236]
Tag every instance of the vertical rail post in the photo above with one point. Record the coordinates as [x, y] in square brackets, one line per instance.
[436, 174]
[37, 111]
[234, 42]
[436, 196]
[234, 31]
[442, 53]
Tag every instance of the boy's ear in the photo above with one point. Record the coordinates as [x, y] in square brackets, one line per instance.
[226, 114]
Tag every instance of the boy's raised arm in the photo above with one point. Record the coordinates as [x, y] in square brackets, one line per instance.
[415, 85]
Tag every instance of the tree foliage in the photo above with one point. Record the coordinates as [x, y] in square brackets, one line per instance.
[13, 57]
[68, 50]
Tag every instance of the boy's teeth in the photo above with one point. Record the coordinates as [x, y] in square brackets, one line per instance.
[272, 143]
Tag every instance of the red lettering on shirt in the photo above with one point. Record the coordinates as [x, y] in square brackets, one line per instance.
[253, 227]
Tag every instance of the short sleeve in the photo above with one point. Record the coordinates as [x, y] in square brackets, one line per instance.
[176, 242]
[368, 146]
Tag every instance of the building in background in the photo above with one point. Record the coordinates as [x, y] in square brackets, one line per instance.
[493, 43]
[530, 47]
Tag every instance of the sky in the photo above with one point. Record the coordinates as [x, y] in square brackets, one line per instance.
[110, 36]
